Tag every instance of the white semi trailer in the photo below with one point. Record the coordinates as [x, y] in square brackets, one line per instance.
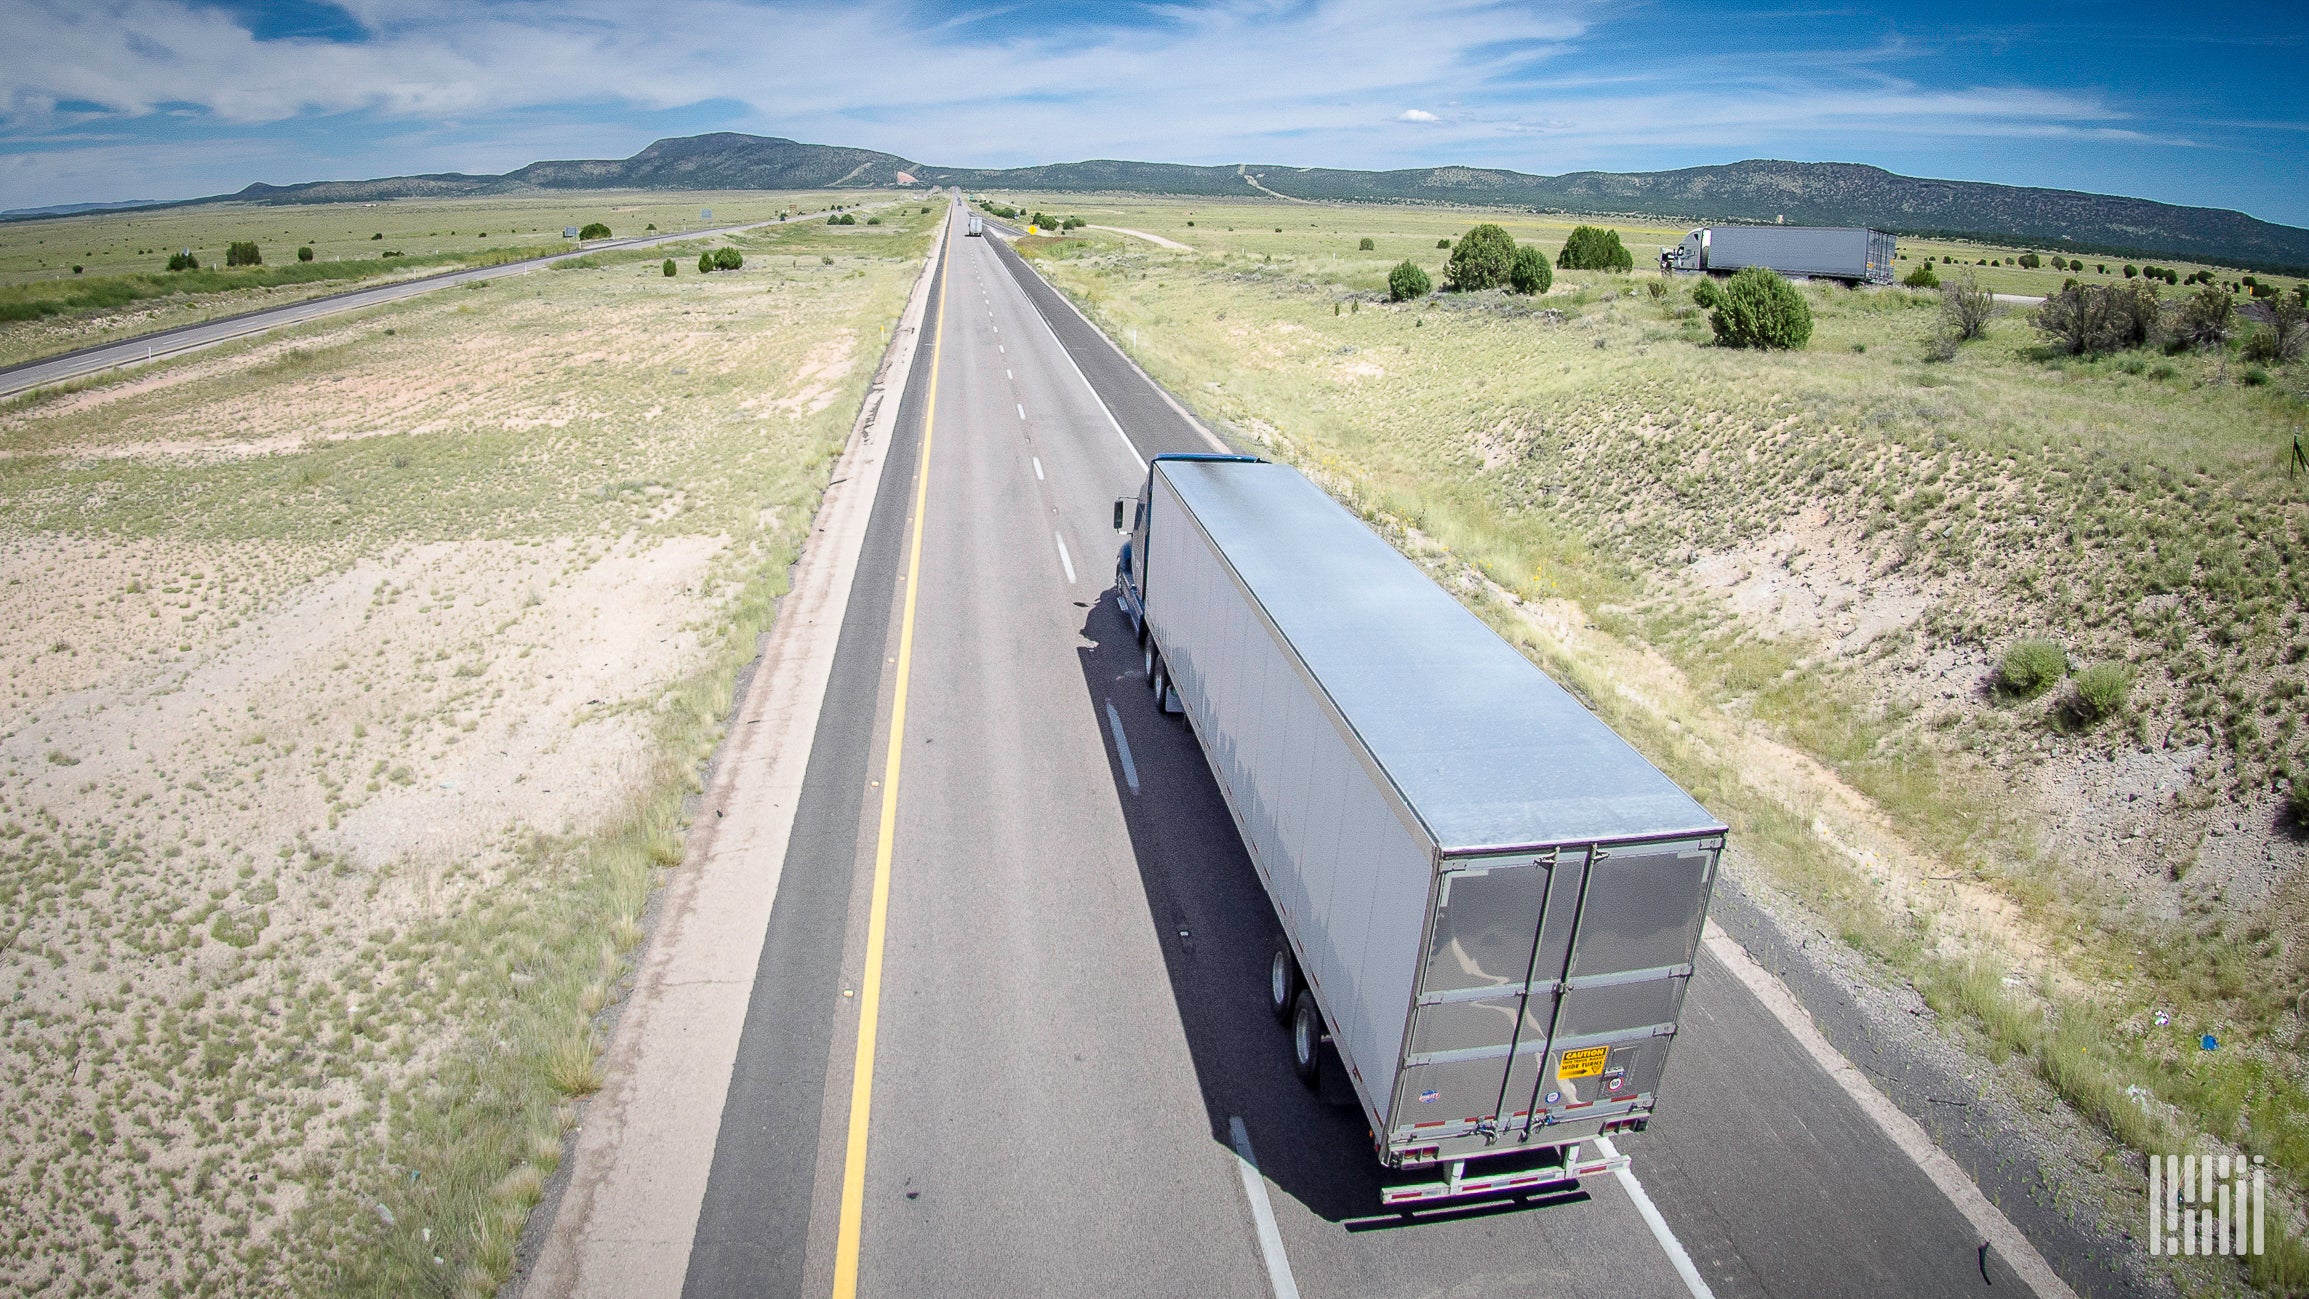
[1852, 253]
[1489, 903]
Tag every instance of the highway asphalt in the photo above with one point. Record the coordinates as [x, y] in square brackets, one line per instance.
[160, 344]
[1070, 1012]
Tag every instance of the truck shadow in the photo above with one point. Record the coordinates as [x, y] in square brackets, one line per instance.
[1217, 928]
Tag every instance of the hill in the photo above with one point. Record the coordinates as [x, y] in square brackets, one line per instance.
[1801, 193]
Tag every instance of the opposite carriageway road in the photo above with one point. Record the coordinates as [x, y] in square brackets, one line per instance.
[176, 341]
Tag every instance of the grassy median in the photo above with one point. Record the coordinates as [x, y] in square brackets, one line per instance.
[357, 676]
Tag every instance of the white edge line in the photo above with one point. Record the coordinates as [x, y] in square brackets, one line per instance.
[1673, 1248]
[1060, 344]
[1160, 391]
[1064, 558]
[1037, 468]
[1021, 409]
[1122, 746]
[1262, 1212]
[1903, 1131]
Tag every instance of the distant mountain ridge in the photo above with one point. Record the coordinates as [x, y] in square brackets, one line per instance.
[1757, 190]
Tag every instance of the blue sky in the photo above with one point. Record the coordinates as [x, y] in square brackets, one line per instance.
[120, 99]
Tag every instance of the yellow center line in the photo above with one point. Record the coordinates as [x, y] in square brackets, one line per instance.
[853, 1216]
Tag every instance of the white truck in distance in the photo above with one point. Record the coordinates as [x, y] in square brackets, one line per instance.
[1488, 903]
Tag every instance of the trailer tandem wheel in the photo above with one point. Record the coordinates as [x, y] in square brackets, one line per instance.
[1307, 1039]
[1283, 980]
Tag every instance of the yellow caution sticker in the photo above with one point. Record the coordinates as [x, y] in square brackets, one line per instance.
[1586, 1062]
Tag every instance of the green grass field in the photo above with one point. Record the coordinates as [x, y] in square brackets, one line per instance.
[356, 677]
[1791, 577]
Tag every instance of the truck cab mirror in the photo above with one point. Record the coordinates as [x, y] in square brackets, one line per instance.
[1118, 504]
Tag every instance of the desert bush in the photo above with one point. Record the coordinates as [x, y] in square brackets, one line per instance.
[1366, 244]
[2031, 260]
[2099, 692]
[305, 254]
[1760, 309]
[375, 237]
[183, 261]
[1481, 259]
[2031, 667]
[705, 263]
[847, 219]
[1406, 282]
[2131, 270]
[669, 268]
[1655, 289]
[1706, 295]
[1442, 243]
[873, 221]
[2281, 339]
[1593, 248]
[728, 259]
[1923, 277]
[2092, 319]
[1965, 307]
[594, 230]
[1530, 272]
[242, 252]
[2205, 318]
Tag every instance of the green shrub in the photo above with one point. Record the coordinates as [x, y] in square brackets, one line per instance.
[834, 220]
[2030, 668]
[1760, 309]
[183, 261]
[375, 237]
[669, 268]
[705, 263]
[847, 219]
[2092, 319]
[1965, 307]
[1531, 273]
[1482, 259]
[1406, 282]
[241, 252]
[305, 254]
[873, 221]
[1923, 277]
[2297, 799]
[594, 230]
[1367, 245]
[1442, 243]
[1593, 248]
[2099, 692]
[728, 259]
[1705, 294]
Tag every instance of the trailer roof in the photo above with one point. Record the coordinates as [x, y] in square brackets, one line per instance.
[1486, 749]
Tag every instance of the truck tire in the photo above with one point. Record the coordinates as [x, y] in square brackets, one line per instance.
[1159, 680]
[1307, 1039]
[1283, 982]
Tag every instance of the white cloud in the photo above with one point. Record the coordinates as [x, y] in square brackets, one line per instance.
[1416, 115]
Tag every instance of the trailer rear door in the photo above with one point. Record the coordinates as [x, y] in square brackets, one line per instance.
[1472, 991]
[1609, 985]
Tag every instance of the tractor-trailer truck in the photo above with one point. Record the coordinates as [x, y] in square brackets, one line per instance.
[1820, 252]
[1489, 903]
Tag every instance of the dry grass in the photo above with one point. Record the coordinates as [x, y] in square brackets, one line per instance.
[356, 679]
[1790, 578]
[120, 249]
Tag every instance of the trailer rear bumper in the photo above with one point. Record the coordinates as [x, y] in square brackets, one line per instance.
[1457, 1184]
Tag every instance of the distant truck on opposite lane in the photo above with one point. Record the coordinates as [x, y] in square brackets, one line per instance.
[1489, 903]
[1853, 253]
